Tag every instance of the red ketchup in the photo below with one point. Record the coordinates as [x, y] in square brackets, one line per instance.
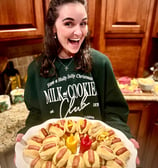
[85, 144]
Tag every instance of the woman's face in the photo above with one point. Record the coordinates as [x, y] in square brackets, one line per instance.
[71, 28]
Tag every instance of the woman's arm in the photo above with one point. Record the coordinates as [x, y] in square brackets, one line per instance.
[113, 106]
[31, 98]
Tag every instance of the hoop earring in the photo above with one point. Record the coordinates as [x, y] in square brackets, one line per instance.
[55, 36]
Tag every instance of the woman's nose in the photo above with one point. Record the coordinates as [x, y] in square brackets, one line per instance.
[78, 31]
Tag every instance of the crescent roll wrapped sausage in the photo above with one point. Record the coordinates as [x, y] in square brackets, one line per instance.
[51, 138]
[61, 123]
[83, 126]
[75, 161]
[42, 133]
[55, 128]
[48, 164]
[111, 133]
[31, 151]
[122, 153]
[47, 150]
[96, 129]
[115, 163]
[70, 126]
[35, 141]
[61, 156]
[37, 163]
[105, 152]
[91, 159]
[116, 142]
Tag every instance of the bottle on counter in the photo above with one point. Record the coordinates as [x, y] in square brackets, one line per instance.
[155, 72]
[154, 69]
[11, 78]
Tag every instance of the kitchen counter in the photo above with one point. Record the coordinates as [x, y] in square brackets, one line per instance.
[141, 97]
[13, 120]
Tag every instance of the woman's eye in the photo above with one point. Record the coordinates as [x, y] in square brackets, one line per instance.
[83, 23]
[68, 24]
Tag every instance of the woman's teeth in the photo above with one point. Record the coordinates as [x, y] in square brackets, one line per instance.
[74, 40]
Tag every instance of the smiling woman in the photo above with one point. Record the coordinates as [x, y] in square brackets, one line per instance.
[70, 78]
[71, 28]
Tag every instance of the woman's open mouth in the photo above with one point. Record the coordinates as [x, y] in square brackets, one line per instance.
[74, 41]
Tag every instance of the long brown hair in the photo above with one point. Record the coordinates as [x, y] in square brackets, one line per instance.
[52, 46]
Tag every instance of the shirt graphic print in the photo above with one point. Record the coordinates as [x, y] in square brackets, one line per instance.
[74, 94]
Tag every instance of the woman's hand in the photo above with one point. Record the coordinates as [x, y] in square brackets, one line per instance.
[136, 145]
[19, 137]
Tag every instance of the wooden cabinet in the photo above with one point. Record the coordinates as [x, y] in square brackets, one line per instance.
[119, 28]
[91, 16]
[126, 16]
[123, 34]
[152, 145]
[155, 21]
[143, 122]
[124, 55]
[21, 19]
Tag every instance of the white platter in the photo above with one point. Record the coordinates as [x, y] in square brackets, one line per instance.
[22, 161]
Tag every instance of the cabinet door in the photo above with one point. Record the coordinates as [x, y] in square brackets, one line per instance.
[135, 116]
[155, 28]
[140, 119]
[152, 153]
[21, 19]
[46, 5]
[126, 16]
[91, 16]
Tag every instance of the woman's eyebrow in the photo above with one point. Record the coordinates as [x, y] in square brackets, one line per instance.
[84, 19]
[68, 18]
